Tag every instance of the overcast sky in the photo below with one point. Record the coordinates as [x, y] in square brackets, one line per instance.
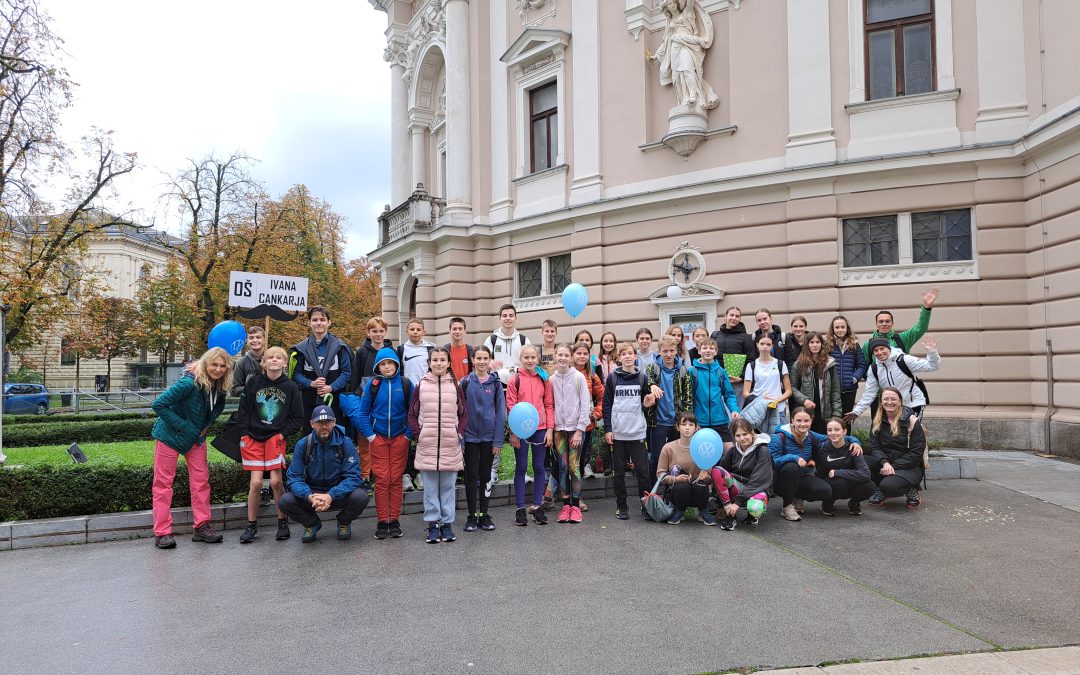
[300, 86]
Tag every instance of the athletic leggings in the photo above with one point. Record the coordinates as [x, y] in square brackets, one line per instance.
[569, 465]
[791, 484]
[478, 461]
[731, 490]
[851, 490]
[521, 461]
[684, 495]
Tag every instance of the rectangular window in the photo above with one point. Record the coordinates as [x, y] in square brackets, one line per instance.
[543, 126]
[559, 273]
[67, 354]
[529, 278]
[941, 236]
[871, 241]
[899, 47]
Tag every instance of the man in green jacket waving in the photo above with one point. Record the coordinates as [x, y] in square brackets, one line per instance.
[904, 340]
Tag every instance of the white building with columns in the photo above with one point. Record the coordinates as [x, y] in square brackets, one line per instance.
[810, 156]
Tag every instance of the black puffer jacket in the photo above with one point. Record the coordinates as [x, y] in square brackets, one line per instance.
[903, 451]
[733, 341]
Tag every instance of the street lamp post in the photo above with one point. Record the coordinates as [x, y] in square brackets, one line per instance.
[3, 373]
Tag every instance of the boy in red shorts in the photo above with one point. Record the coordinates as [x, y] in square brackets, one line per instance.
[270, 410]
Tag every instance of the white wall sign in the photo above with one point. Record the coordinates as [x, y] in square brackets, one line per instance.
[249, 289]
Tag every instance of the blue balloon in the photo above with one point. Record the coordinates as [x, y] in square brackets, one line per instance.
[574, 299]
[523, 419]
[229, 335]
[706, 447]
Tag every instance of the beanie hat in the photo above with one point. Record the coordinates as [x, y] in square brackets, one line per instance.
[878, 342]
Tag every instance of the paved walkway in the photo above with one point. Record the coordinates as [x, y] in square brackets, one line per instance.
[1060, 661]
[981, 566]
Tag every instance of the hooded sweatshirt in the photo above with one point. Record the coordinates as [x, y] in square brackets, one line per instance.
[270, 407]
[847, 465]
[713, 394]
[888, 374]
[485, 403]
[383, 408]
[624, 400]
[784, 448]
[573, 402]
[750, 466]
[507, 350]
[364, 362]
[678, 387]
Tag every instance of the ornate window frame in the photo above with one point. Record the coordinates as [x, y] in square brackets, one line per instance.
[537, 57]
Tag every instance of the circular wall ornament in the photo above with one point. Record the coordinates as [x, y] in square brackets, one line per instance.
[686, 267]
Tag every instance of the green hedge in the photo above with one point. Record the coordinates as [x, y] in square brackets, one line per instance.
[72, 417]
[77, 490]
[97, 431]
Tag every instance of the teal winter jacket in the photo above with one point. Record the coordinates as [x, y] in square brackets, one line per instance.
[184, 411]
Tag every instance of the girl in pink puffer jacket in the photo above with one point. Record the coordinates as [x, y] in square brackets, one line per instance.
[437, 418]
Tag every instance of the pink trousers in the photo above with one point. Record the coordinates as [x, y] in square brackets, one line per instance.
[198, 484]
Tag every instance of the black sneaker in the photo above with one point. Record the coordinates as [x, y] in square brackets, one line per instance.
[539, 517]
[207, 535]
[913, 499]
[645, 515]
[433, 533]
[165, 541]
[828, 508]
[485, 523]
[249, 534]
[854, 508]
[622, 514]
[282, 529]
[472, 523]
[750, 520]
[382, 530]
[727, 523]
[448, 533]
[877, 499]
[521, 518]
[395, 529]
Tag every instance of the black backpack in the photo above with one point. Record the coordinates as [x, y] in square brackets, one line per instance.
[901, 363]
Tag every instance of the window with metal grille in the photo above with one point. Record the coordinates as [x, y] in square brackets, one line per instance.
[543, 126]
[899, 47]
[559, 273]
[530, 276]
[871, 241]
[941, 236]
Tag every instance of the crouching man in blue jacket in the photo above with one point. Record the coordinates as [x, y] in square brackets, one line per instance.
[324, 475]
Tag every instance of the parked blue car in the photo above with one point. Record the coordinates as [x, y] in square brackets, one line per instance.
[25, 399]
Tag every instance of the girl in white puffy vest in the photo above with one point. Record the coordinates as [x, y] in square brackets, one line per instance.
[437, 418]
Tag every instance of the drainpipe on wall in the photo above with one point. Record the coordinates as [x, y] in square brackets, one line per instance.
[1049, 395]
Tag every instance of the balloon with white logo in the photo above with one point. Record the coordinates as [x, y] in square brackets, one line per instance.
[523, 419]
[229, 335]
[574, 299]
[706, 447]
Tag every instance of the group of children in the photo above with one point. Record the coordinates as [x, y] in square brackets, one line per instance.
[439, 411]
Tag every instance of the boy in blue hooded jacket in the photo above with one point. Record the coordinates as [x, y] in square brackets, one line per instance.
[382, 417]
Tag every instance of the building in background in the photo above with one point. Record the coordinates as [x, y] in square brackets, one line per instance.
[809, 156]
[120, 257]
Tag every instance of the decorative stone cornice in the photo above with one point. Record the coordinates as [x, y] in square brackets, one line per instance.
[646, 14]
[913, 273]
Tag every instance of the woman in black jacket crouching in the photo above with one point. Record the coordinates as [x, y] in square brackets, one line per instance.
[897, 442]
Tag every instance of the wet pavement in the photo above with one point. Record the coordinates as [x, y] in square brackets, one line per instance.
[979, 566]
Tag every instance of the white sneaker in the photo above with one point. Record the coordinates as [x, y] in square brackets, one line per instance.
[406, 484]
[528, 478]
[589, 472]
[418, 482]
[789, 513]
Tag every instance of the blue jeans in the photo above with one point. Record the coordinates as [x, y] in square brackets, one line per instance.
[440, 496]
[659, 436]
[521, 461]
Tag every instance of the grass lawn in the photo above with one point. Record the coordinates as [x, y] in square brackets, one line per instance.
[128, 452]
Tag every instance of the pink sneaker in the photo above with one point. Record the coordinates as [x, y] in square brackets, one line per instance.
[575, 514]
[565, 513]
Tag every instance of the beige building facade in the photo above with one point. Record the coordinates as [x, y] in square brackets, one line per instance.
[810, 156]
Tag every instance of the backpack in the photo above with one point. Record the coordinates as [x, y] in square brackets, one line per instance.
[406, 388]
[339, 450]
[901, 363]
[781, 367]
